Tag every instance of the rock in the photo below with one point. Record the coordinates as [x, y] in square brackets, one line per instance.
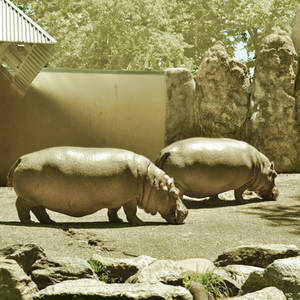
[15, 284]
[199, 292]
[24, 255]
[124, 267]
[256, 255]
[235, 276]
[180, 108]
[271, 126]
[296, 31]
[282, 273]
[47, 271]
[165, 271]
[221, 94]
[269, 293]
[94, 289]
[197, 265]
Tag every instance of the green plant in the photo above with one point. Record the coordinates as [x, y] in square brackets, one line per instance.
[103, 273]
[213, 283]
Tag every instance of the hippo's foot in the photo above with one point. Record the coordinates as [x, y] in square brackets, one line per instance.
[130, 210]
[42, 215]
[238, 194]
[135, 221]
[113, 217]
[23, 211]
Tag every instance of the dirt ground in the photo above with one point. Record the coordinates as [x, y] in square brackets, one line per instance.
[210, 228]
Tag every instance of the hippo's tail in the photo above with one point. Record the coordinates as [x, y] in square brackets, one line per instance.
[160, 161]
[11, 173]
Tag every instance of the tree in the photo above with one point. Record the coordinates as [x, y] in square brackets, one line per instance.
[154, 34]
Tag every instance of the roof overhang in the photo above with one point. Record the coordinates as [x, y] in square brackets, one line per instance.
[25, 48]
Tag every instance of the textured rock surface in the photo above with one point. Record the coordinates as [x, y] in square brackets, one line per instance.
[256, 255]
[221, 94]
[125, 267]
[180, 104]
[165, 271]
[93, 289]
[269, 293]
[282, 273]
[14, 283]
[50, 271]
[235, 276]
[198, 265]
[24, 255]
[271, 128]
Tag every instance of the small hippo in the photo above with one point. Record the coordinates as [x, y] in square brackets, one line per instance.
[79, 181]
[203, 167]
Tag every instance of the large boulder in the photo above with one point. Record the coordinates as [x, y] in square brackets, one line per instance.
[15, 284]
[165, 271]
[94, 289]
[123, 268]
[181, 108]
[25, 255]
[222, 95]
[269, 293]
[284, 274]
[48, 271]
[271, 126]
[256, 255]
[234, 276]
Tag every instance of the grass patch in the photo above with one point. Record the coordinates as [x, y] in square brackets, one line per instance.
[213, 283]
[102, 273]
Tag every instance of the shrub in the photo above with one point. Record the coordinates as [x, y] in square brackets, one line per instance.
[102, 273]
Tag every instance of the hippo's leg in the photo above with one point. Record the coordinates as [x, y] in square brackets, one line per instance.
[238, 193]
[130, 209]
[113, 217]
[41, 215]
[23, 211]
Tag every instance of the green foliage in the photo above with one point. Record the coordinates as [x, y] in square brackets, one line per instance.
[210, 281]
[102, 273]
[154, 34]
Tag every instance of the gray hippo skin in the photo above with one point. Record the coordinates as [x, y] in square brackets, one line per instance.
[203, 167]
[80, 181]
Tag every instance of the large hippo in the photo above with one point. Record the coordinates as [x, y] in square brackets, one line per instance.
[79, 181]
[203, 167]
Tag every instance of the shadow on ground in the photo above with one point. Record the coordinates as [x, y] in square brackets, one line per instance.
[280, 215]
[82, 225]
[213, 203]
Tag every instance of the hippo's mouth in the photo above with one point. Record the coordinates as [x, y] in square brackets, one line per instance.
[269, 195]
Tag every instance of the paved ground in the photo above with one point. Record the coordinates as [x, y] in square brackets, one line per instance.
[210, 228]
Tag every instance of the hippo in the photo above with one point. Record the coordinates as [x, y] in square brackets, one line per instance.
[204, 167]
[79, 181]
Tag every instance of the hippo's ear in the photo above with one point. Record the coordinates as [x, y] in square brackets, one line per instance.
[272, 168]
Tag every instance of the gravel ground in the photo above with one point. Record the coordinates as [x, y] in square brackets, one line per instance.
[210, 228]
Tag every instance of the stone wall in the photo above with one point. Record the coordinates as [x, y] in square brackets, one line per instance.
[219, 101]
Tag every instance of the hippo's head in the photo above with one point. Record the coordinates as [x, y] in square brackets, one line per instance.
[172, 208]
[267, 189]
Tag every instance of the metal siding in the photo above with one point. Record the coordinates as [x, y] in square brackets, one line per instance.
[17, 27]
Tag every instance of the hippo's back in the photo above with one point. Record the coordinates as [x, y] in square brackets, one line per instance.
[208, 166]
[77, 180]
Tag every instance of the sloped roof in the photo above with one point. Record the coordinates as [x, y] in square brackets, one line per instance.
[25, 48]
[16, 26]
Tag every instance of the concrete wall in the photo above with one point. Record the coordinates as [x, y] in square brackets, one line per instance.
[125, 110]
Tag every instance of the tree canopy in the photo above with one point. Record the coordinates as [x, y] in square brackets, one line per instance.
[153, 34]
